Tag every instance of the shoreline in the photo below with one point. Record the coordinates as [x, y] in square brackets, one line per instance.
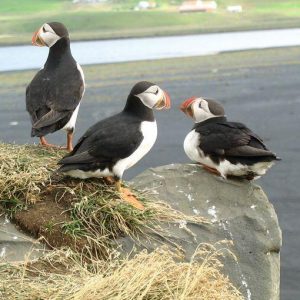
[164, 34]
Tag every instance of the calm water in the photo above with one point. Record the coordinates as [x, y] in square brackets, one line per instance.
[122, 50]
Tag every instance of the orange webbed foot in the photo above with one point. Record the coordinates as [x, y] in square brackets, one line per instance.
[130, 198]
[211, 170]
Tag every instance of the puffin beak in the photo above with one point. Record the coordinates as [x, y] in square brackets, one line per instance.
[186, 106]
[37, 40]
[164, 102]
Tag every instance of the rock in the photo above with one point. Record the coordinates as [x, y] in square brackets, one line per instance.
[15, 245]
[238, 211]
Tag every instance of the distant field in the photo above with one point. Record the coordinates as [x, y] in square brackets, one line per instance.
[20, 18]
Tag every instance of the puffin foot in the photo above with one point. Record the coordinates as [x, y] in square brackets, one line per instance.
[44, 143]
[69, 146]
[69, 149]
[128, 196]
[211, 170]
[70, 141]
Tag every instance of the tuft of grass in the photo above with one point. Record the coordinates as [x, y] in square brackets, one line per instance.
[160, 275]
[24, 171]
[87, 215]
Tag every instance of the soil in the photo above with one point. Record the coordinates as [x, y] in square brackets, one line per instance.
[44, 219]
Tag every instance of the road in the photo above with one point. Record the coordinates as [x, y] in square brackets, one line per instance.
[259, 88]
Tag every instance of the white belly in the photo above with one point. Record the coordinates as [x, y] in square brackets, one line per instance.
[149, 131]
[191, 147]
[225, 168]
[89, 174]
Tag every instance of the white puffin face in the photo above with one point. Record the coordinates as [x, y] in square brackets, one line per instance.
[201, 109]
[154, 97]
[45, 36]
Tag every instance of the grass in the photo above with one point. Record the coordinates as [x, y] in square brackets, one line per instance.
[160, 275]
[81, 220]
[89, 216]
[86, 22]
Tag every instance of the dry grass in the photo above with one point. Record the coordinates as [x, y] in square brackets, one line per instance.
[160, 275]
[87, 216]
[94, 214]
[25, 170]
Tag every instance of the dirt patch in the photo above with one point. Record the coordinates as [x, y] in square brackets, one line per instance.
[47, 219]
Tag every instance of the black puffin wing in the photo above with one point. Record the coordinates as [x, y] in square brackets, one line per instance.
[231, 139]
[66, 90]
[49, 99]
[255, 141]
[215, 138]
[248, 151]
[34, 96]
[106, 142]
[50, 118]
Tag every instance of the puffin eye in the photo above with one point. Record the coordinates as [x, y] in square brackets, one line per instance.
[200, 105]
[44, 30]
[156, 92]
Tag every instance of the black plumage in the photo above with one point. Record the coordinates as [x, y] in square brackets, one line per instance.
[56, 90]
[115, 144]
[223, 147]
[233, 141]
[105, 143]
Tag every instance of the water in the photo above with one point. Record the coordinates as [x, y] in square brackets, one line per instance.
[122, 50]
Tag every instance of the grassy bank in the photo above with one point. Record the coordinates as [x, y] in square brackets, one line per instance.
[87, 216]
[87, 22]
[81, 221]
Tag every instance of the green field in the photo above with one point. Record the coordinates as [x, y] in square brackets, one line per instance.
[117, 19]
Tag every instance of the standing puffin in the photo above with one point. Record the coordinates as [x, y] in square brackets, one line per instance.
[53, 96]
[222, 147]
[115, 144]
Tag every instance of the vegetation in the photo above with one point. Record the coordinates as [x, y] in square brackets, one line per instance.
[117, 19]
[160, 275]
[88, 216]
[80, 221]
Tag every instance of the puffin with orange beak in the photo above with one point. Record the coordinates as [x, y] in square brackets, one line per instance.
[222, 147]
[54, 94]
[115, 144]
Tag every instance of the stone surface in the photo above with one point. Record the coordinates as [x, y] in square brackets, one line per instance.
[15, 245]
[238, 211]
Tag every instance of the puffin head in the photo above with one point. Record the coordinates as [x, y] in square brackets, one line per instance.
[201, 109]
[49, 34]
[151, 95]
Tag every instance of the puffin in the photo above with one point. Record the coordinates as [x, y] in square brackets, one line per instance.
[228, 149]
[54, 94]
[116, 143]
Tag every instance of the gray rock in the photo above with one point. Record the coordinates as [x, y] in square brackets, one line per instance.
[238, 211]
[15, 245]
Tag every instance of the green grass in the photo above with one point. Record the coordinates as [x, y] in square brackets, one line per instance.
[20, 18]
